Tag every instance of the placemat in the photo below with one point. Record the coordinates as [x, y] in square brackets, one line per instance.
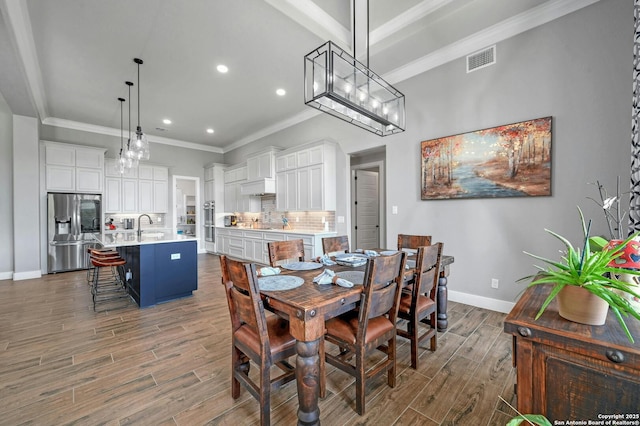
[279, 282]
[302, 266]
[356, 277]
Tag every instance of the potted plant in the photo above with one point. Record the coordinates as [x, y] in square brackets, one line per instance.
[583, 276]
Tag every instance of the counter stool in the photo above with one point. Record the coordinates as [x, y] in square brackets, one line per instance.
[108, 272]
[98, 252]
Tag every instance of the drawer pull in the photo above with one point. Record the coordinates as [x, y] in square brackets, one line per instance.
[615, 356]
[524, 331]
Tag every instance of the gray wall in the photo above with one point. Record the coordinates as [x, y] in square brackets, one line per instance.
[6, 189]
[577, 69]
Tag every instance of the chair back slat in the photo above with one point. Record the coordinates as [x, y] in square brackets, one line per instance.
[243, 297]
[428, 268]
[413, 241]
[335, 244]
[285, 250]
[382, 287]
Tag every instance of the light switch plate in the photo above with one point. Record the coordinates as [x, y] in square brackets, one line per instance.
[394, 209]
[175, 256]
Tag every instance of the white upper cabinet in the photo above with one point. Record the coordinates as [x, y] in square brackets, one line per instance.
[144, 189]
[74, 168]
[311, 184]
[262, 165]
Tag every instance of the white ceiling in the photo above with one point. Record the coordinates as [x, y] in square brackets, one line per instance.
[66, 61]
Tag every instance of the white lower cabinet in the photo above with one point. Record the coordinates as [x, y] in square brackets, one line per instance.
[251, 245]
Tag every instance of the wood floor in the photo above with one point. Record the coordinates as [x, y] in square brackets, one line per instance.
[61, 363]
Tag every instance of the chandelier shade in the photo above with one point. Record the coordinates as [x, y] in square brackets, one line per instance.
[140, 145]
[338, 84]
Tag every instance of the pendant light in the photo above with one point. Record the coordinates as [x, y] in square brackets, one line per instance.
[140, 143]
[130, 154]
[338, 84]
[121, 163]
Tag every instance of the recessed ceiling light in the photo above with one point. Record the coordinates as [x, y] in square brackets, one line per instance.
[281, 92]
[166, 121]
[209, 130]
[222, 68]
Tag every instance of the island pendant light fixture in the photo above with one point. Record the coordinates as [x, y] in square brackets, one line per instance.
[121, 163]
[130, 154]
[140, 143]
[338, 84]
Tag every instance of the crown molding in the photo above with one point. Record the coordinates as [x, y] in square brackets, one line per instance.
[281, 125]
[110, 131]
[508, 28]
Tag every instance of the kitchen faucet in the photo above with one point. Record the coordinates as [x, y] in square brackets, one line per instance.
[140, 217]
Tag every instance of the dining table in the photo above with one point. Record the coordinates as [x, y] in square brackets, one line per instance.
[309, 305]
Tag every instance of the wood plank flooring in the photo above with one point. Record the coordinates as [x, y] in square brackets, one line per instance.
[62, 363]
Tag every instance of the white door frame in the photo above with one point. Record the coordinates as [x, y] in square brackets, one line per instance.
[199, 209]
[382, 202]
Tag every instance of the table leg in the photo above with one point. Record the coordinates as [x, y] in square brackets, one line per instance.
[443, 322]
[308, 382]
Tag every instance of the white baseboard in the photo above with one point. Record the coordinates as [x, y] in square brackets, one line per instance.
[6, 275]
[18, 276]
[481, 301]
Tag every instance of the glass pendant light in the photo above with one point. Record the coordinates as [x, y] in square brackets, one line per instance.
[140, 143]
[130, 154]
[121, 163]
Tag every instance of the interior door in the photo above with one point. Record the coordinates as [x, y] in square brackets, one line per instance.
[367, 208]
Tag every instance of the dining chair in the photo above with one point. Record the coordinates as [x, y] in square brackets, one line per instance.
[335, 244]
[285, 250]
[264, 340]
[413, 241]
[420, 305]
[359, 333]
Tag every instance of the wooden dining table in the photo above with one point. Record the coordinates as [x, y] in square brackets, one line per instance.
[307, 307]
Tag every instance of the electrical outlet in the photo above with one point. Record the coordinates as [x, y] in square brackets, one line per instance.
[394, 209]
[297, 219]
[323, 219]
[159, 219]
[495, 283]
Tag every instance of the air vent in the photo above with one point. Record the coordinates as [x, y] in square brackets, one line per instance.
[481, 59]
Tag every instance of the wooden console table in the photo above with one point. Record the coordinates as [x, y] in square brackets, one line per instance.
[571, 371]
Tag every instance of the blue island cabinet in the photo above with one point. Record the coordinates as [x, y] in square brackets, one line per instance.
[159, 273]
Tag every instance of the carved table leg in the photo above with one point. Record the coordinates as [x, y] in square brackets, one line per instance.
[308, 381]
[443, 322]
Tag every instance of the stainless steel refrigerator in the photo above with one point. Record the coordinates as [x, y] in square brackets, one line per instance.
[73, 219]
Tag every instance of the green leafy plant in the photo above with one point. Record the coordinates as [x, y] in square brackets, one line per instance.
[590, 270]
[529, 419]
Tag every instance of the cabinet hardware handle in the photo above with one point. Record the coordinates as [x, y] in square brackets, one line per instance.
[615, 356]
[524, 331]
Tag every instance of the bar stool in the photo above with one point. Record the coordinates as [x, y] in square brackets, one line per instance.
[108, 277]
[98, 252]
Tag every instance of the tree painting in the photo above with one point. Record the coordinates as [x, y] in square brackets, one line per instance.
[513, 160]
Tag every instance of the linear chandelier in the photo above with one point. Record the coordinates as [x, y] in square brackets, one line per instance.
[340, 85]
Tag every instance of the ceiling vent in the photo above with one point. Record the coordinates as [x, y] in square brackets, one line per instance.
[481, 59]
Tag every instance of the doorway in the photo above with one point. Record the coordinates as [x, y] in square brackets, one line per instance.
[368, 229]
[186, 206]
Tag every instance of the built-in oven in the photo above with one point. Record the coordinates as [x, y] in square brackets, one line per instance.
[209, 221]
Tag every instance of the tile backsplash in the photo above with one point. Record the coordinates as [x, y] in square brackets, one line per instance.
[270, 217]
[159, 220]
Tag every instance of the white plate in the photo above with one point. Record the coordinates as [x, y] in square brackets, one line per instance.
[388, 252]
[350, 256]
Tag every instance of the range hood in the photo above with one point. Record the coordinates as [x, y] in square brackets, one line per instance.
[258, 187]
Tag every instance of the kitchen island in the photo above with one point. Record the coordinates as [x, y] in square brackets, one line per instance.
[161, 266]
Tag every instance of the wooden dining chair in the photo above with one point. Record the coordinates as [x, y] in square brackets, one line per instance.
[420, 305]
[280, 251]
[264, 340]
[338, 244]
[372, 327]
[413, 241]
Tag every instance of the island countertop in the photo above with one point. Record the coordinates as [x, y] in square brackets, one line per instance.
[120, 239]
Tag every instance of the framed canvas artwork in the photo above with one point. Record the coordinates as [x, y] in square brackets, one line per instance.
[513, 160]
